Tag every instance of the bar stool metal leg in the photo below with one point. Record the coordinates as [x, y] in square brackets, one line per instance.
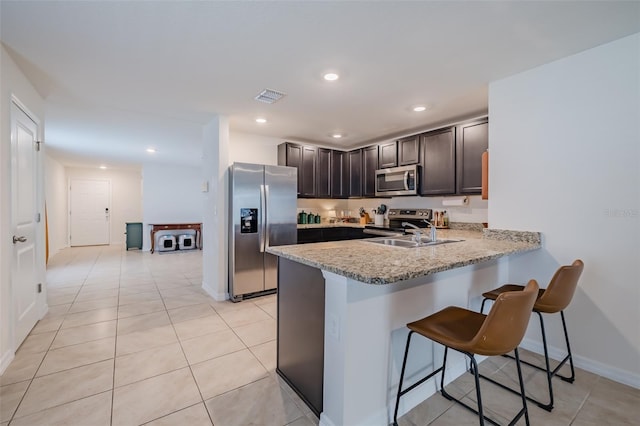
[413, 386]
[550, 373]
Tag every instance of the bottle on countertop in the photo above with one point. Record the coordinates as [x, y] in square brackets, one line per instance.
[445, 219]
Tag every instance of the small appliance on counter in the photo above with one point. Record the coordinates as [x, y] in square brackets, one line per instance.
[396, 217]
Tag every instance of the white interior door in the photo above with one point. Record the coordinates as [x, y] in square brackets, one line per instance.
[89, 212]
[24, 275]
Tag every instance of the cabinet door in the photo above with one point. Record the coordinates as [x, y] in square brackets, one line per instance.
[369, 167]
[308, 172]
[339, 174]
[355, 173]
[409, 150]
[290, 154]
[438, 163]
[472, 139]
[387, 155]
[323, 177]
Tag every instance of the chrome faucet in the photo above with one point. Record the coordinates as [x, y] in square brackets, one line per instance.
[433, 230]
[416, 234]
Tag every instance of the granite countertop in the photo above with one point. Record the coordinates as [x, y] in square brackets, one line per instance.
[373, 263]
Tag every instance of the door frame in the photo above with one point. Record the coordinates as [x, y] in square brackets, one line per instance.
[41, 301]
[72, 178]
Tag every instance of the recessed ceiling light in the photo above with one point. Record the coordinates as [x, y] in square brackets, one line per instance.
[261, 120]
[336, 135]
[103, 167]
[419, 108]
[151, 150]
[331, 76]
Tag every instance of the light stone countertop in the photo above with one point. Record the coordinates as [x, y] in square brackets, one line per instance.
[373, 263]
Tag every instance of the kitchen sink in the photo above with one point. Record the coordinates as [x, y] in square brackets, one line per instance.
[409, 241]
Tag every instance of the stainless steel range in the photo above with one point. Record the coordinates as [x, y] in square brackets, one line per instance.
[397, 217]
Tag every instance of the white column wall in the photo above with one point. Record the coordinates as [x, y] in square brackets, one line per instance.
[56, 197]
[170, 194]
[12, 83]
[215, 166]
[565, 160]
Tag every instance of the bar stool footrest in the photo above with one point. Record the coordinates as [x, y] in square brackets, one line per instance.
[555, 370]
[470, 408]
[547, 407]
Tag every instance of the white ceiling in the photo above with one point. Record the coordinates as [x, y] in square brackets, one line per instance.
[120, 76]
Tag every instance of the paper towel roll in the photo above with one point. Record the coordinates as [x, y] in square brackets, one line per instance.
[460, 201]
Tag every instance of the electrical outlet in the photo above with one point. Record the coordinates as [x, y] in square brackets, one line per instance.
[333, 324]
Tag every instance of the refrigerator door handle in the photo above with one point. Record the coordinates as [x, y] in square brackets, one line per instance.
[263, 217]
[267, 224]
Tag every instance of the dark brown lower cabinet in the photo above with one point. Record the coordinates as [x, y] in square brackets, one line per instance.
[300, 354]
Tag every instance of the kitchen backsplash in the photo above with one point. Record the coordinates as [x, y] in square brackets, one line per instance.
[476, 211]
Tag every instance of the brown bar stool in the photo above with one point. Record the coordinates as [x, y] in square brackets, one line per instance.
[555, 298]
[473, 333]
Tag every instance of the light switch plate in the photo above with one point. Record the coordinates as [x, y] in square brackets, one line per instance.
[205, 186]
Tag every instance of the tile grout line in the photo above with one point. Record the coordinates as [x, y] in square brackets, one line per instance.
[40, 364]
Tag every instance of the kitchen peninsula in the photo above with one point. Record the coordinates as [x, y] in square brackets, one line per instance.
[343, 307]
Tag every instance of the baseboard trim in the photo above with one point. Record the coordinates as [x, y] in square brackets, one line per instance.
[613, 373]
[6, 359]
[219, 297]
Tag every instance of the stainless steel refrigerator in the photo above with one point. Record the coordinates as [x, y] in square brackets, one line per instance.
[263, 213]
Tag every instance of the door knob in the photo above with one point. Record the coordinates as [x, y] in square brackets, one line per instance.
[19, 239]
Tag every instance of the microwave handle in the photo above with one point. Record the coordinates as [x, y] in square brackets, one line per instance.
[406, 180]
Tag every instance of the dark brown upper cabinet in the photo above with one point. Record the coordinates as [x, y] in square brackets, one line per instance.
[339, 174]
[369, 167]
[323, 189]
[304, 159]
[355, 173]
[409, 150]
[472, 140]
[438, 149]
[290, 154]
[387, 155]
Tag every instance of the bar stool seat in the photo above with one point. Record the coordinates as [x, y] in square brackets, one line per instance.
[473, 333]
[555, 298]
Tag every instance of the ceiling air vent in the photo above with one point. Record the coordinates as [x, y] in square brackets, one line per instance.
[269, 96]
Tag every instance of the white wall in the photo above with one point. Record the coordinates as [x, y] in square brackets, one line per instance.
[249, 148]
[126, 196]
[12, 82]
[171, 194]
[56, 197]
[565, 160]
[215, 170]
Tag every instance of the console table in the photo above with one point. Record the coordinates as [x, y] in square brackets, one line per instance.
[155, 227]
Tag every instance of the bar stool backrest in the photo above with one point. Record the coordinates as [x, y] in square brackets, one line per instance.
[559, 292]
[505, 325]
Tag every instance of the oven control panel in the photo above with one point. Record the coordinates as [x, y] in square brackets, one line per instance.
[410, 214]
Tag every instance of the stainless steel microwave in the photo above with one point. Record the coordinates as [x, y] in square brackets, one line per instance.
[397, 181]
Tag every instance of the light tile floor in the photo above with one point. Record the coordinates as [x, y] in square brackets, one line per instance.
[131, 339]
